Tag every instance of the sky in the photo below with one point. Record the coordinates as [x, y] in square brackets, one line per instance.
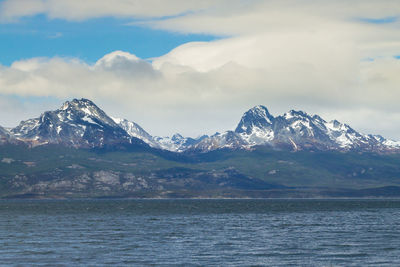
[195, 67]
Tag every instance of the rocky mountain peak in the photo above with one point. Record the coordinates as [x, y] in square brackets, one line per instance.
[296, 115]
[78, 123]
[256, 117]
[177, 137]
[84, 109]
[77, 103]
[295, 130]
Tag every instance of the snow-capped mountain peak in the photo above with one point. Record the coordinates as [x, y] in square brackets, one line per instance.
[295, 130]
[84, 109]
[177, 137]
[77, 123]
[257, 117]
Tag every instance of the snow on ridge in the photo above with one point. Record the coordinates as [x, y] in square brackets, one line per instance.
[288, 115]
[391, 143]
[89, 120]
[117, 120]
[258, 136]
[175, 143]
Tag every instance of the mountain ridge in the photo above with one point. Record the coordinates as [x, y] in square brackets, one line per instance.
[80, 123]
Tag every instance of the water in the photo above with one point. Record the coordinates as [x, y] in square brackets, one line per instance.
[200, 232]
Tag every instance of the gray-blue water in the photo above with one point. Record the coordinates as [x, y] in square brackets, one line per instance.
[200, 232]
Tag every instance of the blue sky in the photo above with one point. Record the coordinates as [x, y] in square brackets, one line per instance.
[211, 60]
[88, 40]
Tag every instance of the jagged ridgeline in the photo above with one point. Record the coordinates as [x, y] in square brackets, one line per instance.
[81, 124]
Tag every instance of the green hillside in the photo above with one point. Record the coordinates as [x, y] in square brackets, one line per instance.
[57, 171]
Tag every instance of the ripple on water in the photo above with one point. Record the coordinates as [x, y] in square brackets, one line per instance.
[200, 232]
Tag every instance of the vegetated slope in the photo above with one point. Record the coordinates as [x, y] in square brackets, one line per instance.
[59, 171]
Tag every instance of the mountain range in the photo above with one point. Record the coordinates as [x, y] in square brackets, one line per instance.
[82, 124]
[79, 151]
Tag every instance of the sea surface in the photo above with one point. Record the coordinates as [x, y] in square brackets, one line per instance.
[200, 232]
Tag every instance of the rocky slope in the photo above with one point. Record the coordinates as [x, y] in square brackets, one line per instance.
[64, 172]
[134, 130]
[4, 135]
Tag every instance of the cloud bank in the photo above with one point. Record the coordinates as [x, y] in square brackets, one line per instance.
[327, 57]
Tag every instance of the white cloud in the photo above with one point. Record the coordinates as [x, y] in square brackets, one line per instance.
[169, 97]
[320, 56]
[76, 10]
